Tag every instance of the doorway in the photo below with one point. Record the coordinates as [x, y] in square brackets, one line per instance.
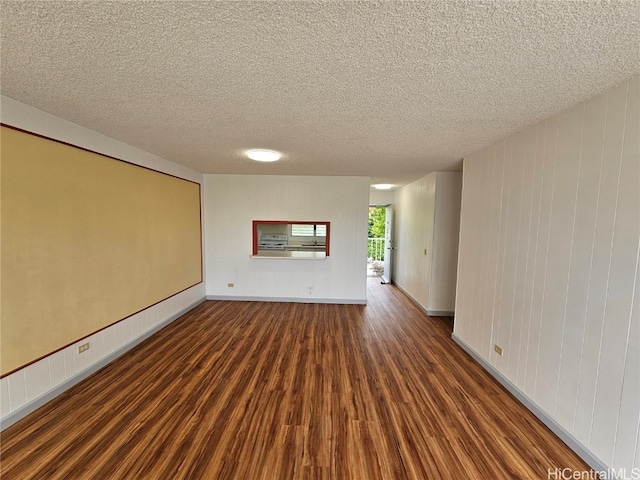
[380, 242]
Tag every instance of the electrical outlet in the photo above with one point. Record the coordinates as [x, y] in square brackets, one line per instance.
[498, 349]
[84, 347]
[230, 285]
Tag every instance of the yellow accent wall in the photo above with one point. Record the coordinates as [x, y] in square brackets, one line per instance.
[86, 240]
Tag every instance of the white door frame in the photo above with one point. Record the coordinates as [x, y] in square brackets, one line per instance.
[387, 276]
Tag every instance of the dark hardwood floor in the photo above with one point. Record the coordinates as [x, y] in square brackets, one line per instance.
[251, 390]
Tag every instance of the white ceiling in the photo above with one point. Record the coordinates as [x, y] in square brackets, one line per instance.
[391, 90]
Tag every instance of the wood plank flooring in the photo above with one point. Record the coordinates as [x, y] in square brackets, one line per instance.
[251, 390]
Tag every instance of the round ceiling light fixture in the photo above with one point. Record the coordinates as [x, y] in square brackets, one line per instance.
[261, 155]
[383, 186]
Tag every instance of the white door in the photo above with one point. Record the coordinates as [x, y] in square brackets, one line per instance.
[388, 245]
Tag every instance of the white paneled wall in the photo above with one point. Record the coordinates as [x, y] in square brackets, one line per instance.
[414, 212]
[39, 380]
[446, 229]
[548, 268]
[427, 222]
[232, 202]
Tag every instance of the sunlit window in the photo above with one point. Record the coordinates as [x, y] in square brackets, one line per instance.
[308, 230]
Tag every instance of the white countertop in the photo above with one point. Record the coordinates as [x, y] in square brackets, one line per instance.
[290, 255]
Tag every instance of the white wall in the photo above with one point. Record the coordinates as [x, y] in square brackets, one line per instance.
[232, 202]
[427, 222]
[414, 217]
[548, 268]
[446, 231]
[381, 197]
[24, 388]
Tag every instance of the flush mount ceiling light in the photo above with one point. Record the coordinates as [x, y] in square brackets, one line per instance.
[383, 186]
[260, 155]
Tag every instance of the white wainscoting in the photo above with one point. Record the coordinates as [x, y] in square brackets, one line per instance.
[31, 387]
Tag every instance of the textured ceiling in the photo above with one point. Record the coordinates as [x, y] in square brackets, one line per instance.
[391, 90]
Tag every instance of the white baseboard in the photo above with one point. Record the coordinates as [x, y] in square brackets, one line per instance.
[440, 313]
[431, 313]
[340, 301]
[583, 452]
[49, 395]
